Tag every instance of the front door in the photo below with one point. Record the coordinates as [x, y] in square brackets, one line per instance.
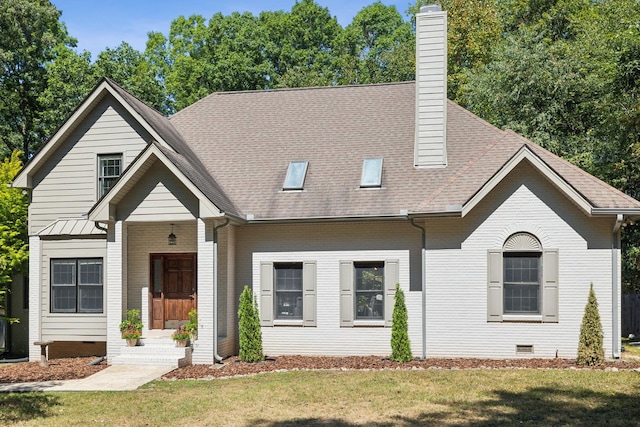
[173, 293]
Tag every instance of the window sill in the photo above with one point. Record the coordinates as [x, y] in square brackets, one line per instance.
[522, 318]
[368, 323]
[283, 322]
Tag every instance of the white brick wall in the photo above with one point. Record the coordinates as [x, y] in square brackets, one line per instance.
[34, 296]
[457, 271]
[203, 351]
[327, 245]
[115, 284]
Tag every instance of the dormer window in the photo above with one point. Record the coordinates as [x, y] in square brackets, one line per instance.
[371, 173]
[109, 170]
[295, 175]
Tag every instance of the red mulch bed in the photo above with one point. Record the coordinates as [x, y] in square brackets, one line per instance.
[74, 368]
[233, 367]
[58, 369]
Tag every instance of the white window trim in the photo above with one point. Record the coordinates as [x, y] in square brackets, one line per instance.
[102, 157]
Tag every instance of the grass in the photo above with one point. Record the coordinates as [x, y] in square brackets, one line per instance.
[349, 398]
[630, 351]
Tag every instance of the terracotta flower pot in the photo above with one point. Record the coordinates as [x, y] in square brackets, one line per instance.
[132, 342]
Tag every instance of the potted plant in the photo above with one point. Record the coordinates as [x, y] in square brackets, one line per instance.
[187, 331]
[131, 328]
[193, 324]
[181, 335]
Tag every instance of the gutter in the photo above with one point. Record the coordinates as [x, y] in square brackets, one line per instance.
[630, 212]
[615, 246]
[216, 356]
[423, 287]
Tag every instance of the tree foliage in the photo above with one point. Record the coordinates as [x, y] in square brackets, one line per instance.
[13, 226]
[30, 33]
[249, 328]
[591, 346]
[400, 344]
[378, 46]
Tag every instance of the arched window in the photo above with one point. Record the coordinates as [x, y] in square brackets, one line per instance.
[521, 262]
[522, 281]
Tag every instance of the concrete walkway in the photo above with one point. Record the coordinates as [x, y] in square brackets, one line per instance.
[113, 378]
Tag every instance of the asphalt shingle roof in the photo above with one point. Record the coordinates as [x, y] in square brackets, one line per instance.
[245, 140]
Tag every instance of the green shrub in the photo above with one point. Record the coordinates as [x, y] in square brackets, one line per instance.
[249, 328]
[400, 344]
[591, 347]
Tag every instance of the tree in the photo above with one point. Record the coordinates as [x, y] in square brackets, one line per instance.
[13, 226]
[591, 347]
[300, 45]
[249, 328]
[378, 46]
[30, 33]
[129, 68]
[400, 344]
[69, 78]
[474, 30]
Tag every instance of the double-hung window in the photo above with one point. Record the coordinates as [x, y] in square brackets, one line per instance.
[76, 285]
[367, 291]
[287, 293]
[522, 280]
[369, 298]
[288, 290]
[109, 170]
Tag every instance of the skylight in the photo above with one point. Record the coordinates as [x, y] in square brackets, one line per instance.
[371, 173]
[295, 175]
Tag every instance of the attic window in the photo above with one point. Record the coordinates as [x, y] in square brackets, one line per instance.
[295, 175]
[371, 173]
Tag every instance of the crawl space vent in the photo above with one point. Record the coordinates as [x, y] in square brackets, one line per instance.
[524, 349]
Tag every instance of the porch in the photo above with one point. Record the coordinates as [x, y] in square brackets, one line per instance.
[165, 280]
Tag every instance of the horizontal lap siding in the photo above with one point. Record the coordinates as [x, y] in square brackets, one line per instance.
[67, 184]
[457, 272]
[327, 245]
[71, 326]
[158, 196]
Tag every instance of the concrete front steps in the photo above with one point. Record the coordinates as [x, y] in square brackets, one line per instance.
[155, 348]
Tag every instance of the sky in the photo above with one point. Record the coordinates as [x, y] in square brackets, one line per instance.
[98, 25]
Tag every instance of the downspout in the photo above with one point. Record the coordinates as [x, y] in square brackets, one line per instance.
[615, 246]
[99, 227]
[215, 290]
[423, 287]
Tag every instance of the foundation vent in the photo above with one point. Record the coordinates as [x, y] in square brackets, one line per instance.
[524, 349]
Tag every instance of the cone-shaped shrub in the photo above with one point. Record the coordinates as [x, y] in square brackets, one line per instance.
[591, 347]
[249, 328]
[400, 344]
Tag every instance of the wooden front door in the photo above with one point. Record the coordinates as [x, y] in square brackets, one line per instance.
[173, 293]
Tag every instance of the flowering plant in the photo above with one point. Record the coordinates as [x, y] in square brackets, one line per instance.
[132, 327]
[131, 333]
[182, 333]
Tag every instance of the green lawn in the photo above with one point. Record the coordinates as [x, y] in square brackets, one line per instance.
[349, 398]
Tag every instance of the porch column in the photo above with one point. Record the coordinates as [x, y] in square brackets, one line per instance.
[203, 348]
[35, 287]
[114, 290]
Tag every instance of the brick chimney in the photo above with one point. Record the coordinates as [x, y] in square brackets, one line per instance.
[431, 87]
